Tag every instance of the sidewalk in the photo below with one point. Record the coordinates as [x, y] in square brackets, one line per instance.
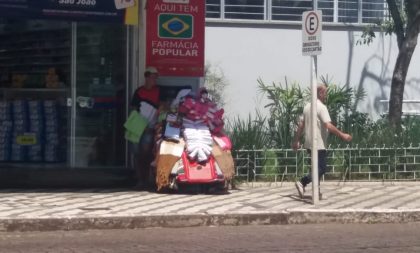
[258, 204]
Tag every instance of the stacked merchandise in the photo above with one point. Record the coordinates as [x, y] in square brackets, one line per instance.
[36, 128]
[202, 119]
[202, 143]
[203, 109]
[6, 128]
[20, 127]
[198, 139]
[52, 143]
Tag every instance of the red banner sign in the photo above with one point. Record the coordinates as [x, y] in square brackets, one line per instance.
[175, 37]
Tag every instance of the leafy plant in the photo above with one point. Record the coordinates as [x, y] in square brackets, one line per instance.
[285, 107]
[248, 134]
[258, 136]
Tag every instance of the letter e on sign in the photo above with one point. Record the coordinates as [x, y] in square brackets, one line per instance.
[311, 33]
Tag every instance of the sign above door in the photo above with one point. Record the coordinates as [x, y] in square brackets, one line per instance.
[72, 10]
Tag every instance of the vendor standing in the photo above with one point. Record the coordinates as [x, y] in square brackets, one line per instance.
[144, 100]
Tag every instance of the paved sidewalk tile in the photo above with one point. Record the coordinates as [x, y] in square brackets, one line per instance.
[56, 203]
[57, 209]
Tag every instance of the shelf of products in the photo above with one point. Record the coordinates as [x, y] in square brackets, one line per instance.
[35, 73]
[37, 57]
[32, 130]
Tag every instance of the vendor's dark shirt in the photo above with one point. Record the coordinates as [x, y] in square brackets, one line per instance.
[147, 95]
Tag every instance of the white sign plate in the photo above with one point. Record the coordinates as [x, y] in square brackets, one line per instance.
[311, 33]
[124, 4]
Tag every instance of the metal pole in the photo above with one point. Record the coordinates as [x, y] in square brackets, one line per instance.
[359, 12]
[314, 122]
[335, 13]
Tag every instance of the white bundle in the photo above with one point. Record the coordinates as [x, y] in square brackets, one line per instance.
[149, 112]
[199, 140]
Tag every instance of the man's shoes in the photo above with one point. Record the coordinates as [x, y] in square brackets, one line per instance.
[300, 188]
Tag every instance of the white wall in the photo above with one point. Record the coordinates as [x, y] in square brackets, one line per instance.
[245, 54]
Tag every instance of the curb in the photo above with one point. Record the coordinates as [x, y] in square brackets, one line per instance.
[195, 220]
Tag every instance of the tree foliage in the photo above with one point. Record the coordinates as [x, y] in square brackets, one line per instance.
[404, 22]
[215, 83]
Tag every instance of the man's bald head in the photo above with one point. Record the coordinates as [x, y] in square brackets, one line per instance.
[322, 92]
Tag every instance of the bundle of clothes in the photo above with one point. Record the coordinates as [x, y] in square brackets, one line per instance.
[195, 126]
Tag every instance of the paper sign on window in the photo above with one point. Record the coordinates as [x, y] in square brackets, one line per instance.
[124, 4]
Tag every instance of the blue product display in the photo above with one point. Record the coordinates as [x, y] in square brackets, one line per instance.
[19, 105]
[36, 116]
[30, 131]
[36, 126]
[5, 104]
[51, 128]
[20, 126]
[50, 154]
[6, 128]
[4, 154]
[35, 105]
[18, 153]
[35, 153]
[5, 110]
[20, 115]
[5, 147]
[50, 108]
[52, 138]
[51, 131]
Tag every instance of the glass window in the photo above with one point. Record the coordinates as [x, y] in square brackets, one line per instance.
[292, 10]
[213, 9]
[245, 9]
[327, 7]
[373, 11]
[344, 11]
[348, 11]
[56, 110]
[35, 57]
[289, 10]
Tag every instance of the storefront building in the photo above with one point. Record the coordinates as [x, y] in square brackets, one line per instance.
[66, 70]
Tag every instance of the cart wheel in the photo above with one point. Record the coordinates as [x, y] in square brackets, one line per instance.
[173, 184]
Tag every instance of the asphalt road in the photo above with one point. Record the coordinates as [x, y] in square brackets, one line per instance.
[325, 238]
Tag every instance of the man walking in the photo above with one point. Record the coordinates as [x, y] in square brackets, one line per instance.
[322, 129]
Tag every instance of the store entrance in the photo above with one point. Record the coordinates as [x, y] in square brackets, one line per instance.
[98, 95]
[63, 94]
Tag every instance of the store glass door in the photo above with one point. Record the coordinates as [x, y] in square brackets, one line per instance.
[98, 98]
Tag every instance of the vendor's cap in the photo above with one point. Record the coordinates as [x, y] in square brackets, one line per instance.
[151, 70]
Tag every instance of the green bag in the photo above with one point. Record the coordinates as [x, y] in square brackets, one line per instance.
[134, 127]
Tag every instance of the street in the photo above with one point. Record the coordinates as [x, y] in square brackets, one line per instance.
[314, 238]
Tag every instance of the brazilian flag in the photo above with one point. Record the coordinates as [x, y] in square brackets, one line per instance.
[175, 26]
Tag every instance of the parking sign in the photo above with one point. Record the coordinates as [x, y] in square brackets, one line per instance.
[311, 33]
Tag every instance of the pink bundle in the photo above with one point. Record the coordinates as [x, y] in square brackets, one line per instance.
[223, 141]
[203, 109]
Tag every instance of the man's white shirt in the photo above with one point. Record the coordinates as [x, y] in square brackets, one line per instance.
[323, 116]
